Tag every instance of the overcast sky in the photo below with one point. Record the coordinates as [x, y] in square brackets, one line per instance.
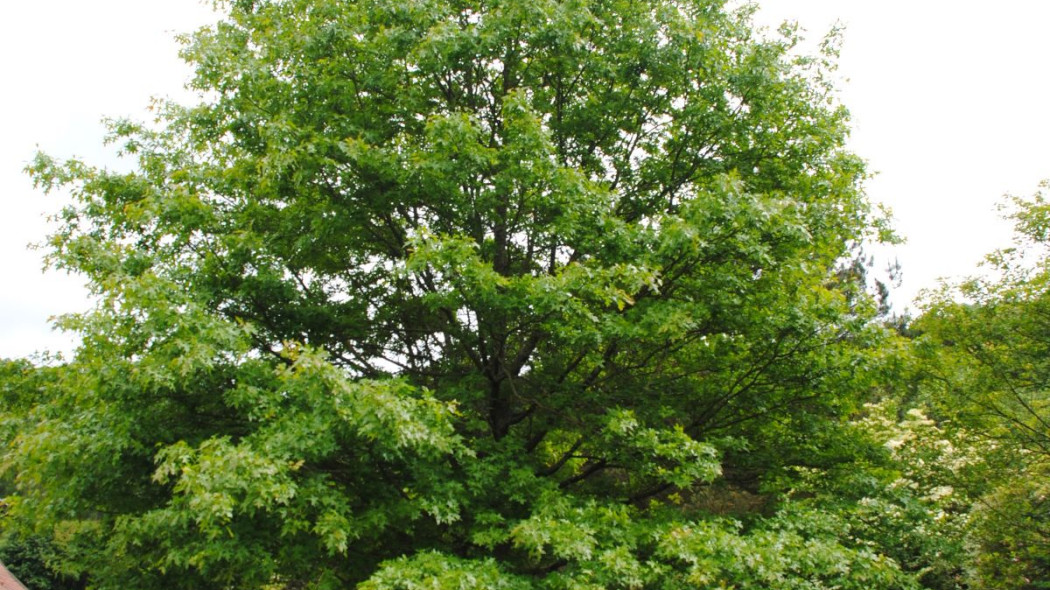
[949, 104]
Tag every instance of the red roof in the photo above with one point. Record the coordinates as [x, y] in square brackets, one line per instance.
[8, 581]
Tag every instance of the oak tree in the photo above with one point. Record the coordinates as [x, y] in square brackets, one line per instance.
[462, 294]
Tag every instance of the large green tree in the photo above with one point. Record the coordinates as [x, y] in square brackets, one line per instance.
[464, 294]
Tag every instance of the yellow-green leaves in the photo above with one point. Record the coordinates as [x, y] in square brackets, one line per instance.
[219, 479]
[666, 455]
[432, 570]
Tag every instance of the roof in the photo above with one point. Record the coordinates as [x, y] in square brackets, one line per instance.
[8, 581]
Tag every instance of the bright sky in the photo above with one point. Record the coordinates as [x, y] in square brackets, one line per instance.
[949, 103]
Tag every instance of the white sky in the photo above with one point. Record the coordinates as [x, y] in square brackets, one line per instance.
[949, 103]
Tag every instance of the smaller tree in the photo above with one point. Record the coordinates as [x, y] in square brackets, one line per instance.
[986, 349]
[990, 335]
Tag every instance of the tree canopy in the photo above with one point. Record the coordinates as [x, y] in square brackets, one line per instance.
[458, 294]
